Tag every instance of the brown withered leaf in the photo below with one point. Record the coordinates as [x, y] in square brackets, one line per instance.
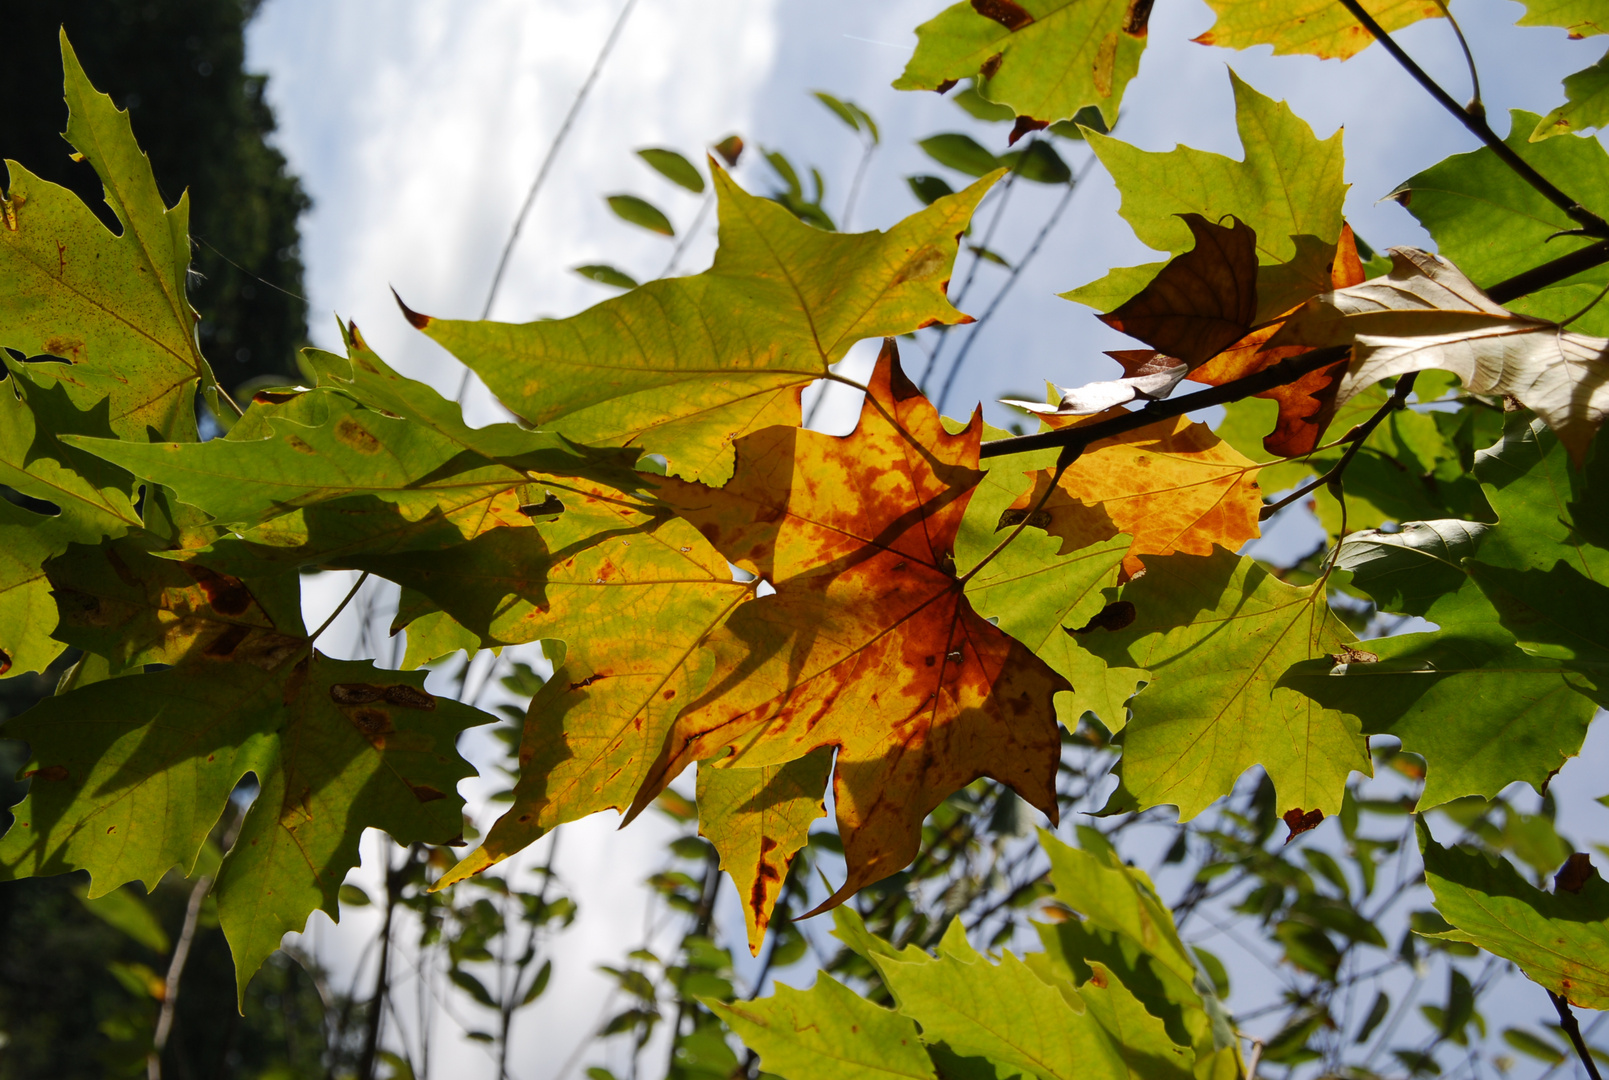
[1172, 486]
[869, 644]
[1202, 301]
[1426, 314]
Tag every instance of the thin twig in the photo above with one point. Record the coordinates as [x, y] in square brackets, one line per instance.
[1568, 1022]
[339, 607]
[546, 166]
[1475, 120]
[1016, 272]
[1475, 102]
[1357, 437]
[687, 236]
[854, 185]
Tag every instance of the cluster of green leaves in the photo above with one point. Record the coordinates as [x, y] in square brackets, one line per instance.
[934, 614]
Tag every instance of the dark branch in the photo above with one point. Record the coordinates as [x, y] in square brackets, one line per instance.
[1571, 1028]
[1475, 120]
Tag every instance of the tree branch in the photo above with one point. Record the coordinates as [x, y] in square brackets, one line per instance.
[1474, 118]
[1573, 1029]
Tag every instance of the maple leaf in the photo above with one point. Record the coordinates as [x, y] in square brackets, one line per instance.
[1046, 59]
[1586, 104]
[131, 774]
[632, 596]
[1559, 939]
[79, 499]
[1040, 595]
[1583, 18]
[869, 643]
[1227, 651]
[112, 305]
[683, 366]
[1427, 314]
[1312, 27]
[1491, 224]
[758, 819]
[1289, 190]
[1481, 712]
[1171, 486]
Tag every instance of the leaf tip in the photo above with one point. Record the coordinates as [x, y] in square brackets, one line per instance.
[415, 319]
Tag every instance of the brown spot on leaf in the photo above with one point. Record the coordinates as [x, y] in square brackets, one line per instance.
[1574, 874]
[1023, 126]
[356, 436]
[415, 320]
[1299, 821]
[49, 772]
[355, 693]
[1114, 617]
[409, 697]
[669, 694]
[70, 349]
[1136, 20]
[946, 86]
[1007, 13]
[425, 793]
[274, 397]
[227, 642]
[375, 724]
[588, 681]
[299, 445]
[991, 65]
[766, 844]
[5, 661]
[227, 595]
[1351, 655]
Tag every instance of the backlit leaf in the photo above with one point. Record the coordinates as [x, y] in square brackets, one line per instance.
[1228, 649]
[681, 367]
[1559, 939]
[1288, 188]
[110, 304]
[1586, 104]
[1045, 59]
[758, 819]
[1583, 18]
[868, 643]
[1481, 712]
[1313, 27]
[828, 1032]
[1492, 225]
[607, 275]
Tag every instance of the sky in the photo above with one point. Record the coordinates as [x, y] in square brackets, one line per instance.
[417, 126]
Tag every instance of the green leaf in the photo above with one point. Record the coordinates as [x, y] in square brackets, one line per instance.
[471, 986]
[27, 608]
[1230, 651]
[828, 1032]
[960, 152]
[1583, 18]
[1546, 567]
[758, 819]
[113, 305]
[607, 275]
[1533, 1045]
[1289, 189]
[680, 367]
[1003, 1012]
[929, 189]
[1044, 59]
[1039, 162]
[979, 107]
[1040, 597]
[338, 746]
[1492, 224]
[1480, 711]
[673, 167]
[1586, 95]
[851, 114]
[642, 213]
[1559, 939]
[1311, 27]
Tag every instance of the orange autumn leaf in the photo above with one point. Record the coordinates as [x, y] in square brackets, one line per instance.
[869, 644]
[1172, 486]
